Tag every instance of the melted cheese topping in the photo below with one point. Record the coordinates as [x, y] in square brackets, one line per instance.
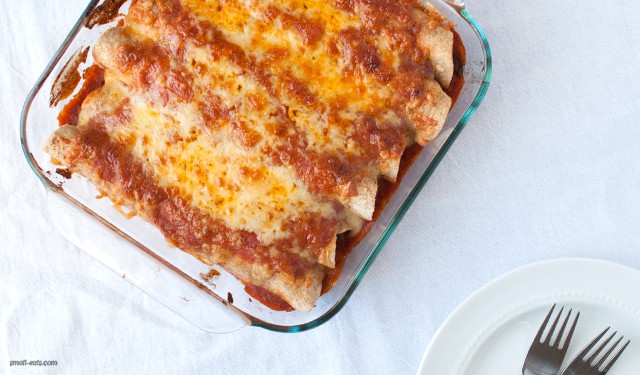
[231, 183]
[260, 28]
[263, 112]
[260, 127]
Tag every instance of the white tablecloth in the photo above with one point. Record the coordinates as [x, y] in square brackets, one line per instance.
[548, 167]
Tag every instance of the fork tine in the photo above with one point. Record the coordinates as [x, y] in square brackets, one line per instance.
[615, 358]
[547, 340]
[544, 324]
[593, 343]
[564, 325]
[607, 354]
[600, 347]
[565, 344]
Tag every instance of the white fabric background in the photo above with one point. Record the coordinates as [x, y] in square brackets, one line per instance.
[548, 167]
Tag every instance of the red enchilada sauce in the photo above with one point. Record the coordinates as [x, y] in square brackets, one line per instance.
[93, 80]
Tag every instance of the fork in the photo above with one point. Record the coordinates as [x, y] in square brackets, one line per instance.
[581, 366]
[545, 357]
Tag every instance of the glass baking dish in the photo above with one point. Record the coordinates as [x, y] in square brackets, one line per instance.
[138, 252]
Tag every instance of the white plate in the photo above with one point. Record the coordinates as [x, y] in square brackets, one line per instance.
[490, 332]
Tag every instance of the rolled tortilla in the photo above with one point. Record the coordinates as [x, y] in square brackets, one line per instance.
[437, 42]
[364, 203]
[105, 51]
[429, 112]
[389, 168]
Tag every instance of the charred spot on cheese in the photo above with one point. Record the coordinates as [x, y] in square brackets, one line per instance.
[257, 135]
[309, 30]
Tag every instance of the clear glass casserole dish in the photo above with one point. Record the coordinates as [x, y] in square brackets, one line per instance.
[136, 250]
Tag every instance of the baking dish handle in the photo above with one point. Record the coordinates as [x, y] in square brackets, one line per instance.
[142, 269]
